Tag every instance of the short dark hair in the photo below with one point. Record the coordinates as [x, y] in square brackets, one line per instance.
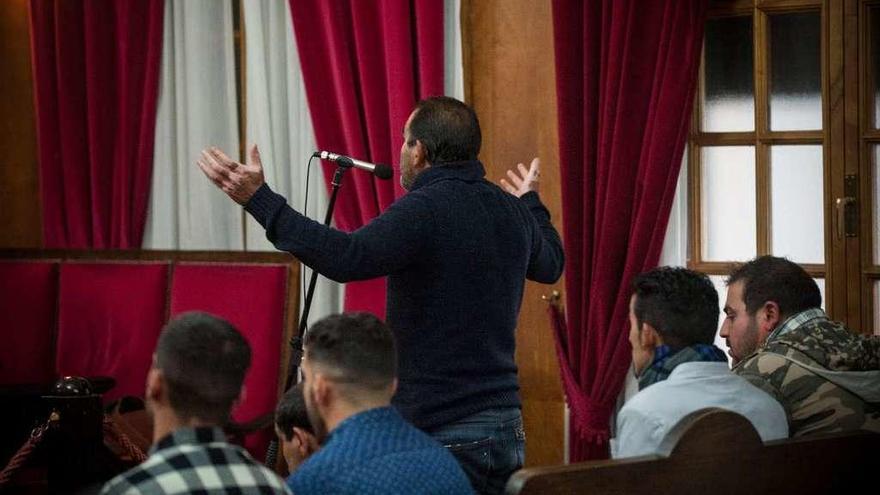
[203, 360]
[449, 130]
[770, 278]
[291, 412]
[681, 304]
[357, 348]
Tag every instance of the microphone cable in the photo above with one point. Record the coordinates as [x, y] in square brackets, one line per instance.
[302, 279]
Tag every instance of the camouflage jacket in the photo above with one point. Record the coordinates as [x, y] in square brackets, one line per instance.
[826, 377]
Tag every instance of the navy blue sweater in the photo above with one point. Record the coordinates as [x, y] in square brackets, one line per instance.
[456, 250]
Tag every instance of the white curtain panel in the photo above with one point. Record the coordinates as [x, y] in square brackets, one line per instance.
[675, 250]
[197, 108]
[453, 70]
[279, 122]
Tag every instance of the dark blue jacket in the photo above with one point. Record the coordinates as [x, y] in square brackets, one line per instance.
[457, 250]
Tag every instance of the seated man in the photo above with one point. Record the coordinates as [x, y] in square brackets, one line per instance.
[349, 375]
[198, 369]
[295, 432]
[673, 317]
[826, 377]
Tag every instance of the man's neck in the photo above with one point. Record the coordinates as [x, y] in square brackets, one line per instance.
[343, 411]
[166, 422]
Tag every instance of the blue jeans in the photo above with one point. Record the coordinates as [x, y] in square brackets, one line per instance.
[489, 446]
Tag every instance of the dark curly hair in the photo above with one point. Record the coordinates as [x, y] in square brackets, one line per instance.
[681, 304]
[449, 130]
[770, 278]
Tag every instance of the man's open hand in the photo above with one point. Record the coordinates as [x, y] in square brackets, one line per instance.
[525, 181]
[238, 181]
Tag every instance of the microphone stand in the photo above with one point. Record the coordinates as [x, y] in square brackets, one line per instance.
[296, 342]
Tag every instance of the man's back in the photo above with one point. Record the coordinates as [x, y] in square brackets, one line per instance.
[377, 452]
[457, 250]
[453, 308]
[799, 366]
[646, 419]
[196, 460]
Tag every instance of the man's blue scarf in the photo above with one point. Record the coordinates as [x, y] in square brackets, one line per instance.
[666, 359]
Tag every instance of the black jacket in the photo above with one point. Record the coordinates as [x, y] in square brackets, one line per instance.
[456, 250]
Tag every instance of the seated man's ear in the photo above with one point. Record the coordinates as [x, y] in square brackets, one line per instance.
[768, 317]
[155, 385]
[307, 443]
[649, 337]
[324, 391]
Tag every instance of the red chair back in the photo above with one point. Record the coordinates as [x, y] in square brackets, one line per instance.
[109, 319]
[28, 308]
[253, 298]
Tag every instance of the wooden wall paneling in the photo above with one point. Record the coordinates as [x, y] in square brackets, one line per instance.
[20, 216]
[510, 81]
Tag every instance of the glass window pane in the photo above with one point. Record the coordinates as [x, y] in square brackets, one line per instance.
[727, 192]
[821, 283]
[875, 60]
[875, 198]
[729, 85]
[797, 214]
[795, 72]
[721, 287]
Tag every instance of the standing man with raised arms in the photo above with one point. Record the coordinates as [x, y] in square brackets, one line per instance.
[457, 250]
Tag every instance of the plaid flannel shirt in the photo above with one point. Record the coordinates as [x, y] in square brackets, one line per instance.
[197, 460]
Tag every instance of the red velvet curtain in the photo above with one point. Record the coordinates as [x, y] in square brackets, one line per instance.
[365, 65]
[625, 77]
[96, 76]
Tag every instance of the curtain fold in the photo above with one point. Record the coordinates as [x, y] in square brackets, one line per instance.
[96, 73]
[361, 86]
[278, 120]
[197, 108]
[625, 78]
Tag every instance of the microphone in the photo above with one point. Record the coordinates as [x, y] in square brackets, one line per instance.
[379, 170]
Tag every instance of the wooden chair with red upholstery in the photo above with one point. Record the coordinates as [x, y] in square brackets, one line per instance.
[254, 298]
[28, 307]
[109, 318]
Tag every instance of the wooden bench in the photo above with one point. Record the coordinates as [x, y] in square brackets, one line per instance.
[719, 452]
